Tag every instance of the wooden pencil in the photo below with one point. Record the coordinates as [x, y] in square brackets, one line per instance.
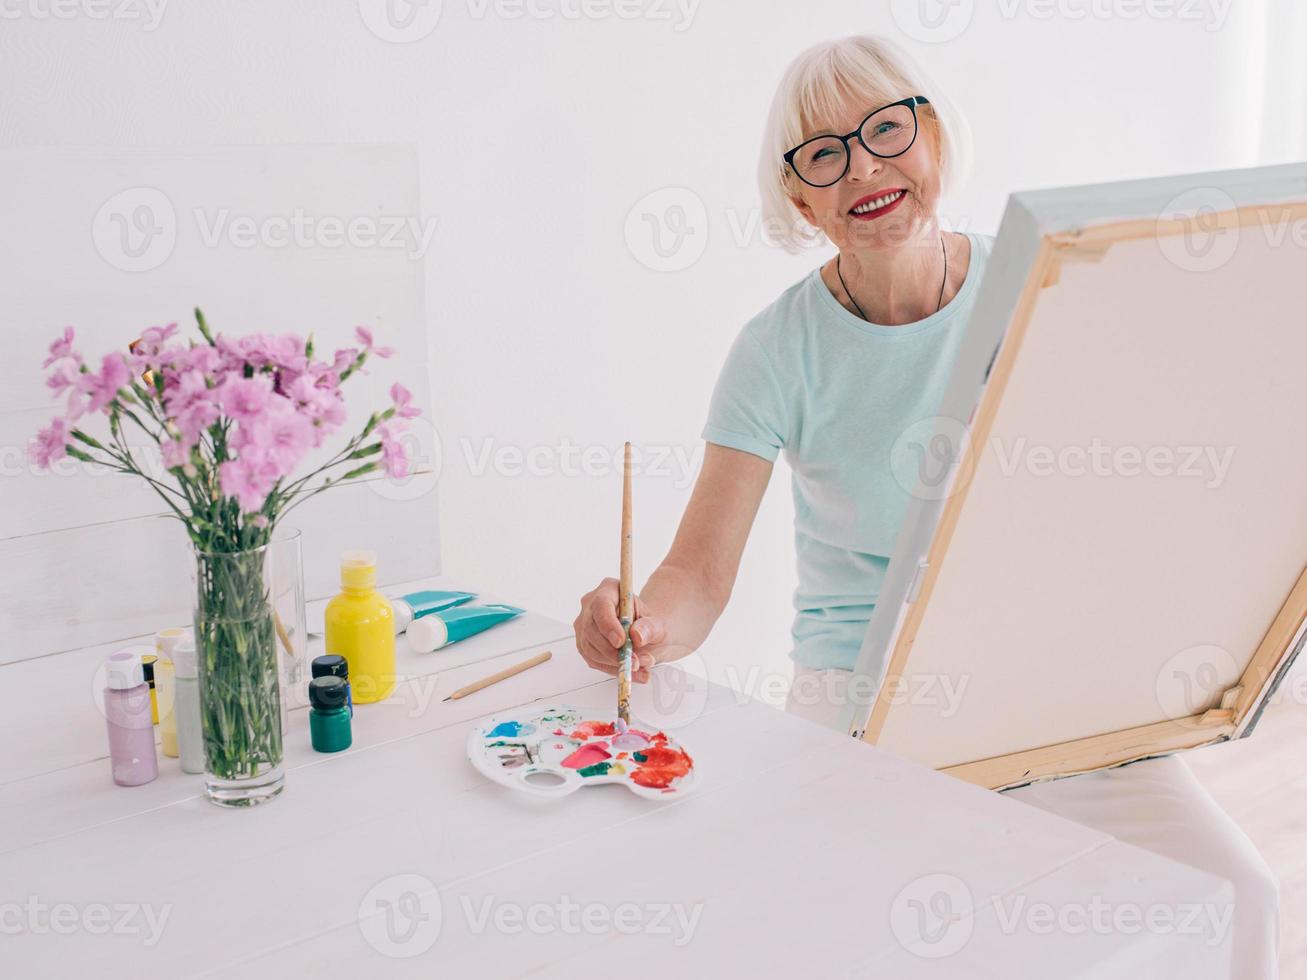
[507, 672]
[625, 600]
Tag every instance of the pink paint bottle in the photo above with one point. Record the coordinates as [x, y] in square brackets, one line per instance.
[127, 712]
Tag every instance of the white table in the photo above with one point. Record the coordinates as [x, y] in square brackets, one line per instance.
[804, 853]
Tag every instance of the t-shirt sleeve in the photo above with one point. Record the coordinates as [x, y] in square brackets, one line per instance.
[747, 410]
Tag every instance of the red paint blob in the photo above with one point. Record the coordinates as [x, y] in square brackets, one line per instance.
[589, 729]
[586, 755]
[659, 765]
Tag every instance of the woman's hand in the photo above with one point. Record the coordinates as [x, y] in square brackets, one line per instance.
[599, 633]
[687, 592]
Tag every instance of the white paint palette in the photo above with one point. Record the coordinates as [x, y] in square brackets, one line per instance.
[557, 750]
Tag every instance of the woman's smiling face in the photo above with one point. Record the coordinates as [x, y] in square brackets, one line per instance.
[861, 210]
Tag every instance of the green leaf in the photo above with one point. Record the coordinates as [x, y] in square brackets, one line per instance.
[366, 451]
[76, 453]
[204, 326]
[370, 467]
[81, 436]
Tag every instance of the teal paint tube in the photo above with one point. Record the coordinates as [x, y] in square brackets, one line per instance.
[440, 629]
[415, 605]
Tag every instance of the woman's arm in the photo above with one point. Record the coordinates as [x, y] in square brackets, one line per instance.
[686, 594]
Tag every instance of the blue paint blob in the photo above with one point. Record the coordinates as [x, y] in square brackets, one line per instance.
[510, 729]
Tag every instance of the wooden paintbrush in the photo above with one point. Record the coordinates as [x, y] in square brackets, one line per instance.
[625, 600]
[504, 674]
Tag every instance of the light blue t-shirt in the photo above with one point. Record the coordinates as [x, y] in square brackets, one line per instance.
[837, 393]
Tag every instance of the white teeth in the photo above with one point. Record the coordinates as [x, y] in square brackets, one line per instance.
[880, 202]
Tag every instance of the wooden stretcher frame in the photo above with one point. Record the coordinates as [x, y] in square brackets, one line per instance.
[1029, 237]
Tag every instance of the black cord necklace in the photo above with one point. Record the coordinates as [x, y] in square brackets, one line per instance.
[938, 304]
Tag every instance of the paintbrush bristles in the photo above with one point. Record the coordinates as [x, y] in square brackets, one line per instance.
[625, 598]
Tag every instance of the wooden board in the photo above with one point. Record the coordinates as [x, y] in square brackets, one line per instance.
[1117, 565]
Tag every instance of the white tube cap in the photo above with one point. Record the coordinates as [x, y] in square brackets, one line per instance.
[403, 615]
[185, 662]
[166, 640]
[427, 634]
[124, 671]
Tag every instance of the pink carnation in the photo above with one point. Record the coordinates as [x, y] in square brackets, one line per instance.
[102, 387]
[194, 419]
[61, 348]
[365, 338]
[403, 399]
[50, 444]
[394, 455]
[249, 480]
[63, 376]
[153, 338]
[280, 436]
[244, 398]
[323, 405]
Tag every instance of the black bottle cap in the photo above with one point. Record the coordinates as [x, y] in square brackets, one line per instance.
[331, 665]
[327, 693]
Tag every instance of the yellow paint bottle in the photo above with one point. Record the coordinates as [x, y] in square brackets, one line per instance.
[360, 626]
[165, 684]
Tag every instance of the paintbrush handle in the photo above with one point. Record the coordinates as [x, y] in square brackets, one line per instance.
[625, 599]
[472, 688]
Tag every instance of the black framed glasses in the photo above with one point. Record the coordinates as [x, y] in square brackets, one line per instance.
[887, 132]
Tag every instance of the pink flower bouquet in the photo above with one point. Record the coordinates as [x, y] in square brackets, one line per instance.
[232, 417]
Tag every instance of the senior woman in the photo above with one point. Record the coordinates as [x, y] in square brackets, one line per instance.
[859, 146]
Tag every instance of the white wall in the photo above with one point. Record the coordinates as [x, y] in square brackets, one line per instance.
[539, 135]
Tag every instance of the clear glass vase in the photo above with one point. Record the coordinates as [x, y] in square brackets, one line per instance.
[286, 586]
[236, 639]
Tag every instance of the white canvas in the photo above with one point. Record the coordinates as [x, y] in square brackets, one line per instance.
[1119, 544]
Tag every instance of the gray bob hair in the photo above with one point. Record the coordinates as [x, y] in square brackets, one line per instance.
[816, 89]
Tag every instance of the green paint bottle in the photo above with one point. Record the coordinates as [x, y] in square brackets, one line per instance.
[328, 714]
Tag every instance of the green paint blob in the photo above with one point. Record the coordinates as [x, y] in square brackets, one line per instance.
[598, 769]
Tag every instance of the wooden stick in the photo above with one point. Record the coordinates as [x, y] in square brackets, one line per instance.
[282, 634]
[625, 601]
[463, 692]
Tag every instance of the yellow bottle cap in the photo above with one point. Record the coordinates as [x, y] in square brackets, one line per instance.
[358, 570]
